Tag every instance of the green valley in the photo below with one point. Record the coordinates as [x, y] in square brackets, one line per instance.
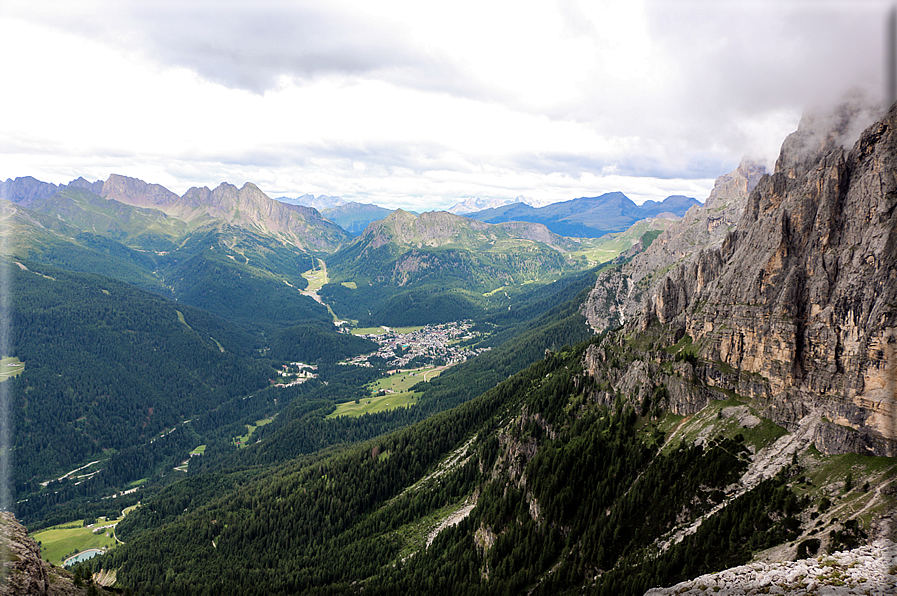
[446, 406]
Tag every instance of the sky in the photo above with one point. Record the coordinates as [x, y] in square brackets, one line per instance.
[417, 104]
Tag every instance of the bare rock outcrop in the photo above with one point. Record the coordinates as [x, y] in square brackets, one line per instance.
[26, 190]
[804, 293]
[868, 570]
[620, 293]
[23, 570]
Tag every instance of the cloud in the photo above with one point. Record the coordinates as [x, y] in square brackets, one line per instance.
[411, 101]
[254, 45]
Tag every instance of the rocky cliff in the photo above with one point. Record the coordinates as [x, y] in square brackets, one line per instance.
[868, 570]
[26, 190]
[620, 292]
[797, 307]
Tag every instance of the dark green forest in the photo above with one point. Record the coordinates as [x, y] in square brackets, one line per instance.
[584, 510]
[136, 381]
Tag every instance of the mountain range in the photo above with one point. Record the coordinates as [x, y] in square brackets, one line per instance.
[718, 390]
[589, 217]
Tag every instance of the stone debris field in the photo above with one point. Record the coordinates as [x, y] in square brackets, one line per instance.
[870, 569]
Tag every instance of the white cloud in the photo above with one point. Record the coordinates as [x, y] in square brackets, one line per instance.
[415, 105]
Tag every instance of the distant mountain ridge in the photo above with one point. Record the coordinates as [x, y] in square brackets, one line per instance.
[247, 207]
[589, 217]
[320, 202]
[355, 217]
[474, 204]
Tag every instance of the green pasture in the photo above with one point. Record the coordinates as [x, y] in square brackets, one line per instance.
[128, 510]
[62, 541]
[374, 404]
[199, 450]
[243, 440]
[399, 384]
[381, 330]
[403, 381]
[610, 246]
[368, 331]
[10, 367]
[603, 249]
[405, 330]
[316, 277]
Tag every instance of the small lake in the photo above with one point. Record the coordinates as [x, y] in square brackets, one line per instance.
[83, 556]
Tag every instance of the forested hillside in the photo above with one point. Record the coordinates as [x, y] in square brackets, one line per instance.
[437, 267]
[109, 366]
[557, 489]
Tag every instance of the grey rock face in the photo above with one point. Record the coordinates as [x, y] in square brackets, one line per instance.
[804, 292]
[26, 190]
[620, 293]
[23, 570]
[864, 570]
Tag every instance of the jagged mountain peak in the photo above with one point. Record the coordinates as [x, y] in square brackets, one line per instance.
[26, 189]
[620, 293]
[246, 206]
[133, 191]
[735, 185]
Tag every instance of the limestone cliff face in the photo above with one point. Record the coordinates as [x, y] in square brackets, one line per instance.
[803, 295]
[23, 570]
[620, 293]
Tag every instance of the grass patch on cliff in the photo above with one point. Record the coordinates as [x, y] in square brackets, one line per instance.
[764, 434]
[827, 470]
[711, 422]
[414, 535]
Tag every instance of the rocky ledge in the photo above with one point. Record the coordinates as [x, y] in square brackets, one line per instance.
[870, 569]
